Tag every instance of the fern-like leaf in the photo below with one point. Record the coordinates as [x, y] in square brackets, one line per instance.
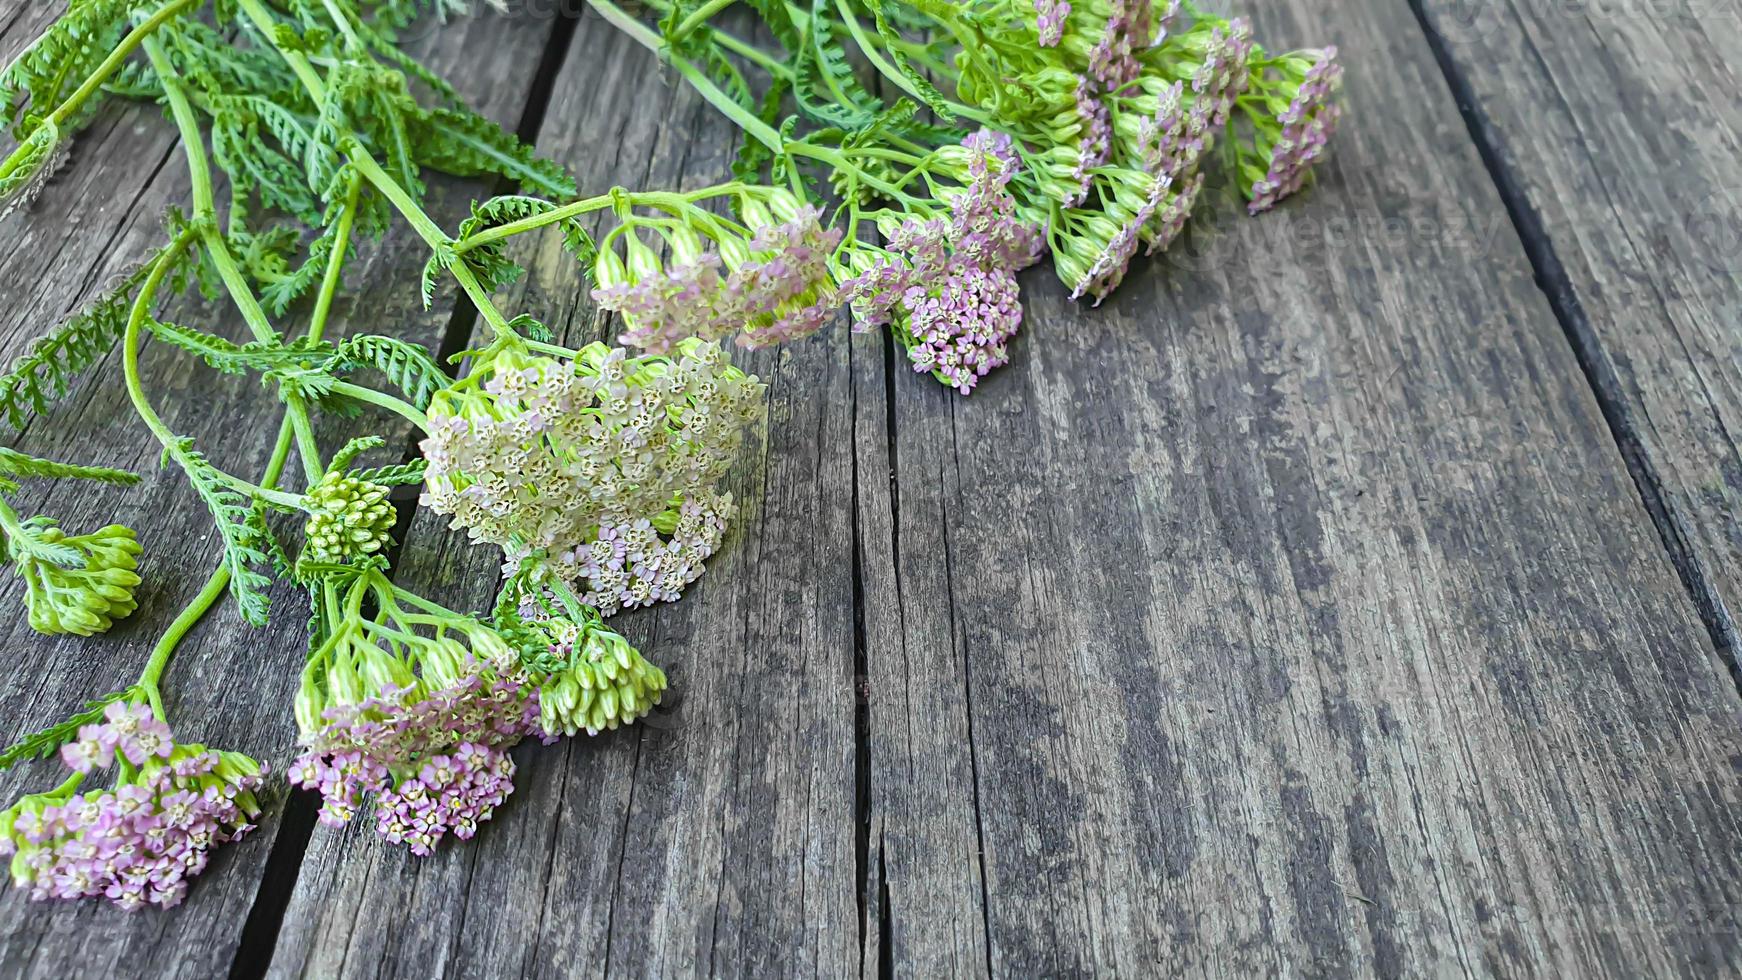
[465, 144]
[42, 744]
[823, 80]
[18, 466]
[244, 549]
[398, 475]
[351, 450]
[408, 367]
[922, 85]
[46, 371]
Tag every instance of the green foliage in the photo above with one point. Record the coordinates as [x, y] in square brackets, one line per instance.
[466, 144]
[57, 63]
[489, 261]
[42, 744]
[407, 366]
[754, 156]
[15, 466]
[351, 450]
[922, 85]
[24, 174]
[823, 81]
[46, 371]
[244, 547]
[230, 358]
[397, 475]
[698, 48]
[774, 13]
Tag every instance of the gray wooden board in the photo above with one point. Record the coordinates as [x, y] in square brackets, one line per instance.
[1619, 129]
[108, 210]
[1293, 613]
[721, 840]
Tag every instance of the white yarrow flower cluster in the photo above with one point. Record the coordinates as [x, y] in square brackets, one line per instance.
[605, 466]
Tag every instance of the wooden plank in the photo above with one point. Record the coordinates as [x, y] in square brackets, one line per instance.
[48, 678]
[1293, 613]
[722, 840]
[1618, 134]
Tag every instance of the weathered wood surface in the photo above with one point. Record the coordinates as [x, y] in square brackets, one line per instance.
[1293, 613]
[720, 840]
[229, 684]
[1617, 130]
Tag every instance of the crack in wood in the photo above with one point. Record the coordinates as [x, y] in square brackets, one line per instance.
[1593, 360]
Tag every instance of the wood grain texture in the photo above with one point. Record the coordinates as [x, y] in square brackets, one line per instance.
[1617, 129]
[719, 838]
[1293, 613]
[229, 686]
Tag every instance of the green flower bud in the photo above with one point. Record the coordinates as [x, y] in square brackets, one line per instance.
[608, 269]
[609, 684]
[83, 599]
[350, 518]
[443, 662]
[380, 670]
[308, 705]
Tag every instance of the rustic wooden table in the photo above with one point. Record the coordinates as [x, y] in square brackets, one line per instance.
[1352, 594]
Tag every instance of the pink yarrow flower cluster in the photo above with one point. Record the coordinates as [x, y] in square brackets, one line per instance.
[450, 794]
[1285, 147]
[948, 285]
[141, 841]
[375, 720]
[765, 283]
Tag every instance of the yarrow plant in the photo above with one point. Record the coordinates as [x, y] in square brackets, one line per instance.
[597, 471]
[415, 705]
[1080, 130]
[142, 839]
[1075, 129]
[604, 466]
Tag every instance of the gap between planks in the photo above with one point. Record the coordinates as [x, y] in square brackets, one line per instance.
[284, 864]
[1563, 299]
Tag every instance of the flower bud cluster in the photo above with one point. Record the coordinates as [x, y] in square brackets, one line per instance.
[605, 466]
[350, 518]
[1291, 120]
[84, 598]
[1114, 105]
[603, 682]
[141, 840]
[764, 281]
[947, 285]
[379, 701]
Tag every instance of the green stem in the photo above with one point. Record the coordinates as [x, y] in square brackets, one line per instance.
[699, 17]
[116, 58]
[666, 200]
[205, 219]
[427, 229]
[650, 39]
[209, 594]
[336, 260]
[874, 55]
[10, 524]
[764, 60]
[534, 222]
[400, 407]
[130, 368]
